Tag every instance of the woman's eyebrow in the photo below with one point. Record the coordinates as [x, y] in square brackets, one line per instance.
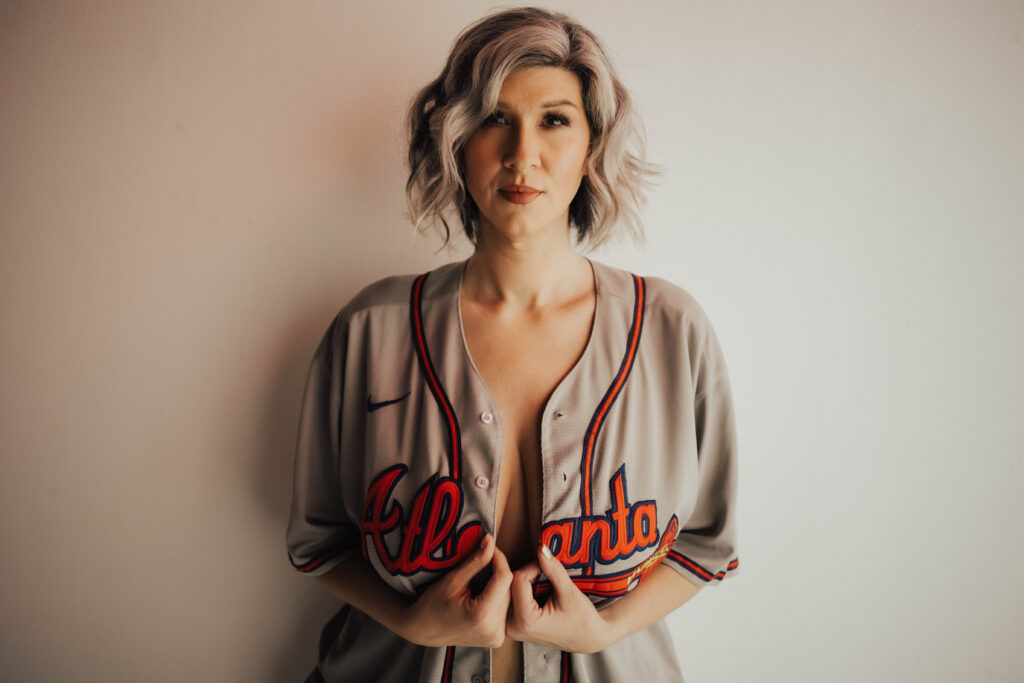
[546, 105]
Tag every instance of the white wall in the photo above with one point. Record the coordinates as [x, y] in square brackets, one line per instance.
[189, 191]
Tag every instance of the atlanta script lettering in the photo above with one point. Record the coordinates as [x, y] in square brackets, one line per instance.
[429, 539]
[625, 529]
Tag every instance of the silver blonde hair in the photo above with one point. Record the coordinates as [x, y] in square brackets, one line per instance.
[449, 110]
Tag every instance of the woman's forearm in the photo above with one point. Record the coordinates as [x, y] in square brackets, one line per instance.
[354, 581]
[663, 591]
[447, 612]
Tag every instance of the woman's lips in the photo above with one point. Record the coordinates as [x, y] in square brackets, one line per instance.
[519, 194]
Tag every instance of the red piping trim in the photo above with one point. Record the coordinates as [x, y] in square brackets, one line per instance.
[588, 452]
[436, 389]
[449, 656]
[698, 570]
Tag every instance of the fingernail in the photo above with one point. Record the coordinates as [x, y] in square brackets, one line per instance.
[545, 551]
[483, 542]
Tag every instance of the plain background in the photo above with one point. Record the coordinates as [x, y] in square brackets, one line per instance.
[190, 190]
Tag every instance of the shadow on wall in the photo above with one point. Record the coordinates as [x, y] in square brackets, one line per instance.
[272, 481]
[364, 159]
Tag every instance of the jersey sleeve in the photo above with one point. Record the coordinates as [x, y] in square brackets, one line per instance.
[321, 533]
[705, 549]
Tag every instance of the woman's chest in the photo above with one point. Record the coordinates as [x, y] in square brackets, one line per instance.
[521, 362]
[525, 431]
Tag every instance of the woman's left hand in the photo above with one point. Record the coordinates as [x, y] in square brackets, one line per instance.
[567, 621]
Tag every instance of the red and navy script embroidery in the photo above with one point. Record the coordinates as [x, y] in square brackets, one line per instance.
[624, 529]
[429, 536]
[620, 583]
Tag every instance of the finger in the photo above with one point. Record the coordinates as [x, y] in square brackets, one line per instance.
[497, 588]
[554, 570]
[530, 571]
[524, 606]
[474, 562]
[500, 561]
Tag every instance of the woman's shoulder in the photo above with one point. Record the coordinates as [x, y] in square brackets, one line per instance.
[386, 292]
[395, 290]
[661, 296]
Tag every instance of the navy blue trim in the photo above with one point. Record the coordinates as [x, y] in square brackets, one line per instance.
[625, 366]
[565, 675]
[612, 394]
[433, 379]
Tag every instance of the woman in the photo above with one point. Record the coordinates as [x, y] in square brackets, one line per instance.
[514, 466]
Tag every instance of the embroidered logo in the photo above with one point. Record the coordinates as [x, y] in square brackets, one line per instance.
[371, 406]
[429, 537]
[620, 583]
[623, 530]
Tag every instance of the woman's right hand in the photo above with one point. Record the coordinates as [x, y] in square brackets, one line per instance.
[447, 612]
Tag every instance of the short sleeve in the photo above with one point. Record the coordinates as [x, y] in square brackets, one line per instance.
[320, 531]
[705, 549]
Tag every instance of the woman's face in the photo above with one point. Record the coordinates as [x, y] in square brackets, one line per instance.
[525, 163]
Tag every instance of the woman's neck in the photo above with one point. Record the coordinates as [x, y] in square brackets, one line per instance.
[526, 276]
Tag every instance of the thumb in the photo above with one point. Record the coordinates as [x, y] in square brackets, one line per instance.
[477, 560]
[554, 570]
[501, 579]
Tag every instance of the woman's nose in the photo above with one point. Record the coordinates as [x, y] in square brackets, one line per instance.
[523, 148]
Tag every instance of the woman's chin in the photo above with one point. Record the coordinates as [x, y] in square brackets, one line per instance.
[524, 230]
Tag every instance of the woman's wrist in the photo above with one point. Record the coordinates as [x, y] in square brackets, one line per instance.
[610, 629]
[660, 593]
[399, 617]
[354, 581]
[407, 622]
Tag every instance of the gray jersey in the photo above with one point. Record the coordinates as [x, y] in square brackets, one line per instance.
[399, 456]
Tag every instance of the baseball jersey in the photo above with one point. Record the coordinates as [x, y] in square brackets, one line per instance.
[399, 458]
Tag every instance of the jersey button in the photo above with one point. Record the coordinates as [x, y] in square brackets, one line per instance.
[483, 482]
[486, 418]
[559, 414]
[477, 678]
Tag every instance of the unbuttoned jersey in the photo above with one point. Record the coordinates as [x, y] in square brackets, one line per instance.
[399, 458]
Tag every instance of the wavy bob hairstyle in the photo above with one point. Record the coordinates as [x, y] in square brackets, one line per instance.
[450, 109]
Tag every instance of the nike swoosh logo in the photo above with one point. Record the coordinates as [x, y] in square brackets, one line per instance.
[371, 406]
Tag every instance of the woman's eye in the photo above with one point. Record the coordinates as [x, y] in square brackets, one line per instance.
[549, 120]
[556, 120]
[495, 119]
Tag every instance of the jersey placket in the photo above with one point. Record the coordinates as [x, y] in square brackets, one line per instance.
[483, 440]
[564, 423]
